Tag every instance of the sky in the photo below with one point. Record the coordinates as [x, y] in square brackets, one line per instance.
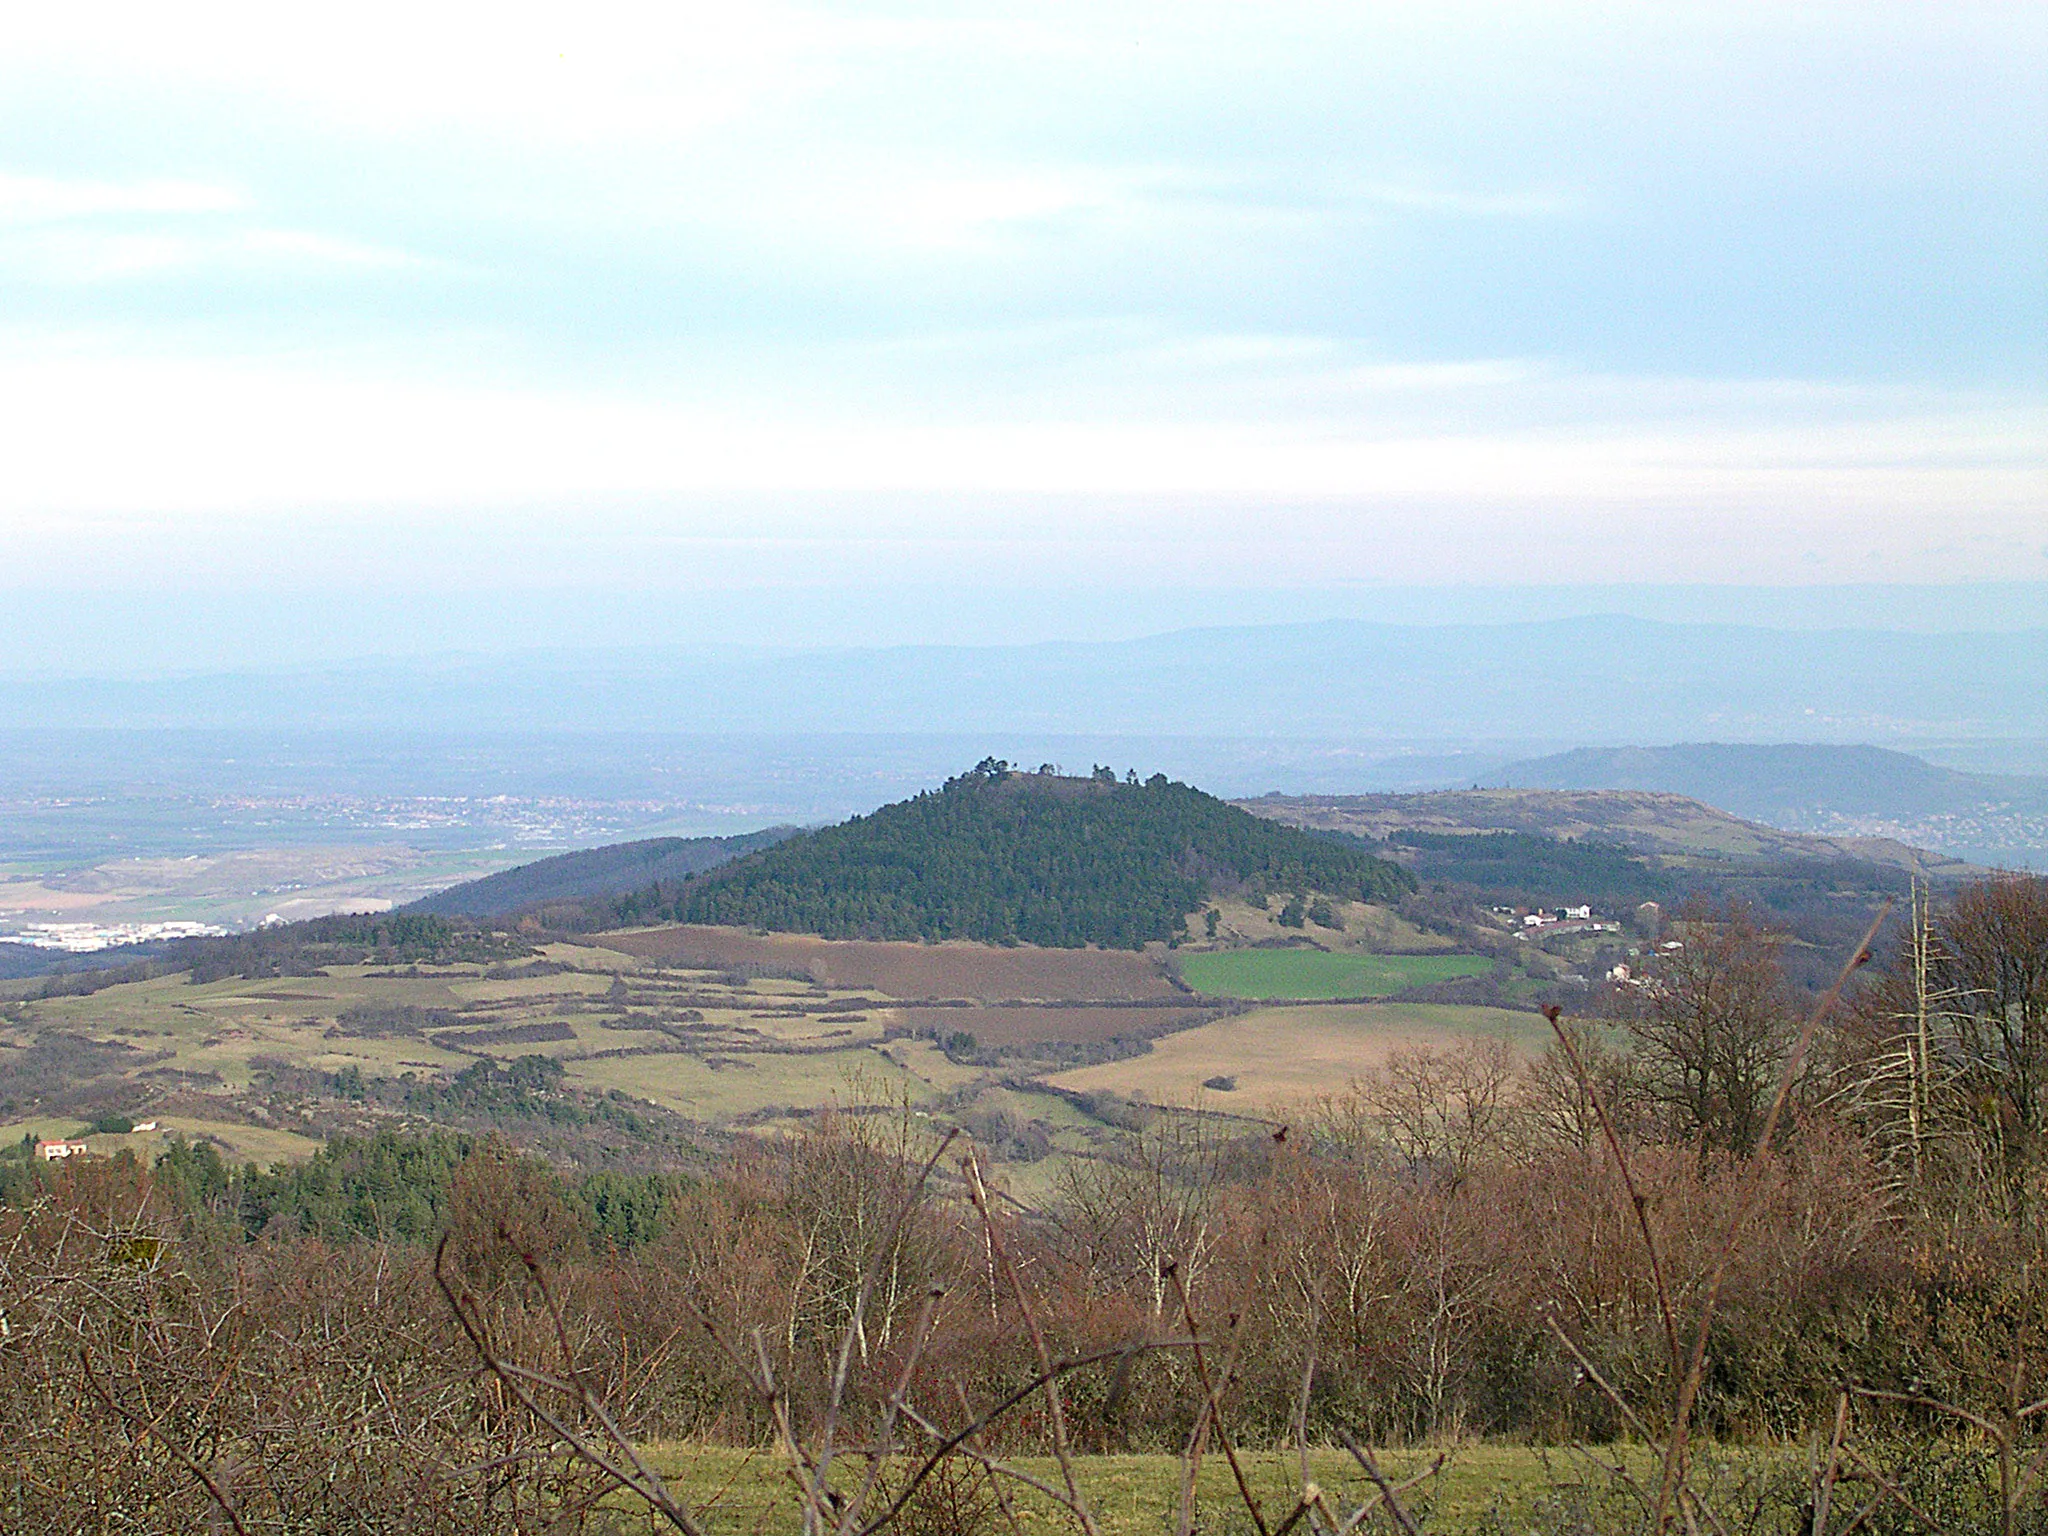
[389, 325]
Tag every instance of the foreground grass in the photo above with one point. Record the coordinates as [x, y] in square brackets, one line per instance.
[751, 1492]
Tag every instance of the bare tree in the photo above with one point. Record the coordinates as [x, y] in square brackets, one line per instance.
[1898, 1074]
[1712, 1026]
[1556, 1100]
[1992, 960]
[1149, 1204]
[1443, 1112]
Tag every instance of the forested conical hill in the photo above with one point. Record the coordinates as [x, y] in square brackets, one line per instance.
[1006, 857]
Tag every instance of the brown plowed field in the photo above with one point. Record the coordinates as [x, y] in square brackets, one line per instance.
[1036, 1026]
[907, 970]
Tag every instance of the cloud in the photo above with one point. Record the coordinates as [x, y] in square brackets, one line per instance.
[49, 199]
[1529, 203]
[1515, 281]
[199, 439]
[70, 231]
[74, 256]
[602, 71]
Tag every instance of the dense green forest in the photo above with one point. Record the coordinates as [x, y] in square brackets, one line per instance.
[1006, 857]
[1524, 867]
[391, 1185]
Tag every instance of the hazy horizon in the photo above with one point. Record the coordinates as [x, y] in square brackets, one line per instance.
[188, 633]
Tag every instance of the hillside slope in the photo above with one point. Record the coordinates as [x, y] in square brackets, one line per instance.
[1842, 792]
[1006, 857]
[1665, 825]
[613, 870]
[1783, 781]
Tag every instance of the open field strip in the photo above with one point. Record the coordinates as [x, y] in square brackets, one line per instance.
[720, 1088]
[736, 1045]
[907, 969]
[1283, 1056]
[750, 1491]
[1270, 974]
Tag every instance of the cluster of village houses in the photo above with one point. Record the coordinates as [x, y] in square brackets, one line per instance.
[1546, 917]
[57, 1149]
[1559, 919]
[1648, 920]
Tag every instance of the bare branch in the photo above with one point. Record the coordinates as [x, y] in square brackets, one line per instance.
[1366, 1510]
[1363, 1457]
[1061, 1451]
[1894, 1490]
[827, 1436]
[959, 1438]
[1688, 1389]
[1827, 1481]
[1636, 1199]
[635, 1477]
[143, 1428]
[886, 1446]
[1215, 1406]
[1593, 1375]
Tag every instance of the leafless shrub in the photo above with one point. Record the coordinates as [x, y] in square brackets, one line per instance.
[300, 1389]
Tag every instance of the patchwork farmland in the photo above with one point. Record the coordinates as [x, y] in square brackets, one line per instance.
[710, 1032]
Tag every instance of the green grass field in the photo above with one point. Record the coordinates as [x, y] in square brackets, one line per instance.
[1479, 1487]
[750, 1491]
[1264, 974]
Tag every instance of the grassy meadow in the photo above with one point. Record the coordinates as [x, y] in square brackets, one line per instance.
[1266, 974]
[750, 1493]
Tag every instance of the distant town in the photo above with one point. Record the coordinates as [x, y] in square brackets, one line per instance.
[84, 938]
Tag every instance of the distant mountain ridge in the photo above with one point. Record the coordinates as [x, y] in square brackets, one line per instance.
[1602, 679]
[1760, 780]
[612, 870]
[1666, 826]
